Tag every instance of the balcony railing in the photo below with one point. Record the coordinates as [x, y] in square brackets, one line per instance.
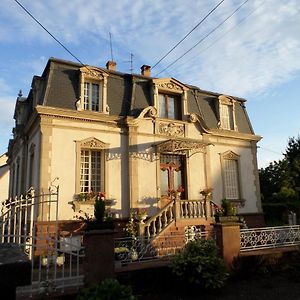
[269, 237]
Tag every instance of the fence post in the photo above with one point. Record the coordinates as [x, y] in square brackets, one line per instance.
[99, 255]
[228, 240]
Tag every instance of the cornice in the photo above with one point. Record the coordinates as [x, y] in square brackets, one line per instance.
[86, 116]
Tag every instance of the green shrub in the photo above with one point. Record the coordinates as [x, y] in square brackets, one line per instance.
[108, 289]
[198, 263]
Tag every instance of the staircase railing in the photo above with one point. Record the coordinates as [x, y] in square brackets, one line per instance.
[175, 210]
[158, 222]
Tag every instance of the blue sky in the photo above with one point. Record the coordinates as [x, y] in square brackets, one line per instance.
[254, 55]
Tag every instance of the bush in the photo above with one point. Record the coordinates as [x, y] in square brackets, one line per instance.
[198, 263]
[108, 289]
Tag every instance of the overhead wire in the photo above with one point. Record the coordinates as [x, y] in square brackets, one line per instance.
[45, 29]
[205, 37]
[195, 27]
[219, 38]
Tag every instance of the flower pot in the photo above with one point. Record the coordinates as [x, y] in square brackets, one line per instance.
[226, 219]
[134, 255]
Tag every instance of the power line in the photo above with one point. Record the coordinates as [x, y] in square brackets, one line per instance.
[188, 33]
[220, 37]
[56, 39]
[205, 37]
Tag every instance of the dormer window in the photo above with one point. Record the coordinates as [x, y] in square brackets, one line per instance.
[169, 106]
[170, 98]
[92, 96]
[227, 113]
[93, 90]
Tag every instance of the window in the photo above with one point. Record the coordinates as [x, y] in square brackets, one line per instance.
[90, 168]
[92, 96]
[230, 166]
[226, 113]
[93, 90]
[231, 179]
[169, 106]
[171, 172]
[90, 171]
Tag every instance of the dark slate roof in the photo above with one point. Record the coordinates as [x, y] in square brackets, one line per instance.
[127, 94]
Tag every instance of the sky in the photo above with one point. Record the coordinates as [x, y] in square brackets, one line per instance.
[253, 53]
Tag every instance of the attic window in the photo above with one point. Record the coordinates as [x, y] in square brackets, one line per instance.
[93, 90]
[170, 98]
[227, 113]
[169, 106]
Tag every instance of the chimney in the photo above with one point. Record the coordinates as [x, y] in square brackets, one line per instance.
[111, 65]
[146, 70]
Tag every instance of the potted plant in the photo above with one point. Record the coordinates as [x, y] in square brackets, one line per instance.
[141, 215]
[227, 212]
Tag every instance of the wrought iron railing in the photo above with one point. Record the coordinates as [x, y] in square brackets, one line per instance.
[269, 237]
[132, 250]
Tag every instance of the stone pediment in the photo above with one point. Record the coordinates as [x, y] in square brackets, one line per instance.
[230, 155]
[93, 73]
[93, 143]
[170, 85]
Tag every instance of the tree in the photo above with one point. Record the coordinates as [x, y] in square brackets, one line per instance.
[280, 181]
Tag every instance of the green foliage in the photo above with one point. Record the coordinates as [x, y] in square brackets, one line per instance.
[229, 208]
[99, 210]
[280, 181]
[108, 289]
[198, 263]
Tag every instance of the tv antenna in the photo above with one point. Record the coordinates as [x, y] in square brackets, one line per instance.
[131, 63]
[111, 49]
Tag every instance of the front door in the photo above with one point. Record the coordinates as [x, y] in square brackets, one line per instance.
[172, 176]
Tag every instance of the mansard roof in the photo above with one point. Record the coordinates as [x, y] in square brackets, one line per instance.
[127, 94]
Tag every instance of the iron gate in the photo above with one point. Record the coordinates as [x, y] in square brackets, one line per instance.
[32, 222]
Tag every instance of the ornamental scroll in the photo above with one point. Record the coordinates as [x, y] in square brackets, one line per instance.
[171, 129]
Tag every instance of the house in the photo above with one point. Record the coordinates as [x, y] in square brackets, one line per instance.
[4, 178]
[135, 137]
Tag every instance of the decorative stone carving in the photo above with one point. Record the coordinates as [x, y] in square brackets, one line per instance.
[92, 72]
[144, 156]
[193, 118]
[149, 111]
[169, 86]
[230, 155]
[172, 146]
[93, 143]
[171, 129]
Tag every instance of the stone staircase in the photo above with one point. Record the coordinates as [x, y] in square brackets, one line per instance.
[169, 229]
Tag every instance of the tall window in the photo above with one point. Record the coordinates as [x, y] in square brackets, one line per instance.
[171, 172]
[226, 114]
[169, 106]
[92, 96]
[231, 181]
[90, 171]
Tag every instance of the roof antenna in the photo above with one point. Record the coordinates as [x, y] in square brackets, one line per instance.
[111, 50]
[131, 63]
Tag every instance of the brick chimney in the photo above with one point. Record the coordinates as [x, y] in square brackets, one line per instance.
[146, 70]
[111, 65]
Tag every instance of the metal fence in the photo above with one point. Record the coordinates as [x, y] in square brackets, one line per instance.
[140, 249]
[32, 222]
[269, 237]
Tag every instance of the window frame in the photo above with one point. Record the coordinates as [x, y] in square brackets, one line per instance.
[93, 76]
[228, 121]
[177, 107]
[91, 144]
[231, 156]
